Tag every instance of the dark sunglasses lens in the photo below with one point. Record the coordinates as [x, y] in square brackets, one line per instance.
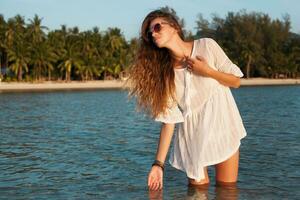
[156, 28]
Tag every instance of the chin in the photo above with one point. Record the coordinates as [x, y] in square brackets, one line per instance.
[159, 44]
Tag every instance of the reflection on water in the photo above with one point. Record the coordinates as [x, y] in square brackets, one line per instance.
[197, 193]
[227, 192]
[220, 193]
[155, 194]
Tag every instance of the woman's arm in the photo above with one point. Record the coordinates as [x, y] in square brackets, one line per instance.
[201, 67]
[165, 138]
[155, 177]
[225, 78]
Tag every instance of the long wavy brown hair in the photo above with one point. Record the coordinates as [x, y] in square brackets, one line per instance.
[151, 77]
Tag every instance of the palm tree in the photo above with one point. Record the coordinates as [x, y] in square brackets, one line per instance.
[114, 70]
[9, 38]
[88, 56]
[10, 33]
[114, 42]
[87, 71]
[42, 58]
[42, 54]
[128, 56]
[18, 48]
[294, 59]
[35, 29]
[70, 59]
[19, 58]
[56, 41]
[2, 42]
[250, 51]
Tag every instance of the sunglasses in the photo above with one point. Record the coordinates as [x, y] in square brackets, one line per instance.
[156, 28]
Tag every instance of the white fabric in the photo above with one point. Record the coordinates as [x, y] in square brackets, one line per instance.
[210, 126]
[173, 114]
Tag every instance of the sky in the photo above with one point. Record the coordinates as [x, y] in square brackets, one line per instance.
[129, 14]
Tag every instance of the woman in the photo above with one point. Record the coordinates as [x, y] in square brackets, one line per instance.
[187, 83]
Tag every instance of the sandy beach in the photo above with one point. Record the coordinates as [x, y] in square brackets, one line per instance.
[116, 84]
[53, 86]
[266, 81]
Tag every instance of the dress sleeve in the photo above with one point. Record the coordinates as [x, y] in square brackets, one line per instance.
[173, 114]
[221, 60]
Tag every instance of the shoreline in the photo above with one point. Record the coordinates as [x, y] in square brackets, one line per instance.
[116, 84]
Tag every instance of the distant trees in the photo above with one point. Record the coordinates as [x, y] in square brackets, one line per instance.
[260, 46]
[28, 52]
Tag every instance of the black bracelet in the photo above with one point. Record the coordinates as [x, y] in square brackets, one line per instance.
[159, 163]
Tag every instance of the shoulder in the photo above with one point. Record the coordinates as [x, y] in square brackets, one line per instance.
[207, 42]
[205, 39]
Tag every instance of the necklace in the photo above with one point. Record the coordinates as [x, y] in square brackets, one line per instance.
[183, 61]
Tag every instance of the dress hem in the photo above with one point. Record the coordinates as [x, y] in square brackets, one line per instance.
[209, 163]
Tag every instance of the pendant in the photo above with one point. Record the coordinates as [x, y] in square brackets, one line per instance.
[184, 62]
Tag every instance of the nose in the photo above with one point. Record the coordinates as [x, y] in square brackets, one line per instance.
[154, 34]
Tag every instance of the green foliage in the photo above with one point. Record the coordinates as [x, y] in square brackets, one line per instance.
[262, 47]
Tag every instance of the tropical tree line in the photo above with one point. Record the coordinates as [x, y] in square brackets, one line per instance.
[28, 53]
[262, 47]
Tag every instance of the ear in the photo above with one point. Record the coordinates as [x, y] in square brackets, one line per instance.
[177, 29]
[174, 31]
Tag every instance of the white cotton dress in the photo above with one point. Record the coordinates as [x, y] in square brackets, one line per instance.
[209, 123]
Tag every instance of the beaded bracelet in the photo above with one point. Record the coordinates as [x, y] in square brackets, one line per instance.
[159, 163]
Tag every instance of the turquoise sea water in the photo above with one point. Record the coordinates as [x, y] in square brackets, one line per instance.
[93, 145]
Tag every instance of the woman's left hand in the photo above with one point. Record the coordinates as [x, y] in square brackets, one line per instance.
[198, 66]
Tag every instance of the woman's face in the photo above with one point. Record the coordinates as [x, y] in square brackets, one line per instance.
[161, 31]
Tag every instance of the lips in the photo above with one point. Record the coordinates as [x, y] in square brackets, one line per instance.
[156, 39]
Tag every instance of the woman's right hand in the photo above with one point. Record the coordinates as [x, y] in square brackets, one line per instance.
[155, 178]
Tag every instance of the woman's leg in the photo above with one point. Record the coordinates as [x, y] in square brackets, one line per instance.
[204, 182]
[227, 171]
